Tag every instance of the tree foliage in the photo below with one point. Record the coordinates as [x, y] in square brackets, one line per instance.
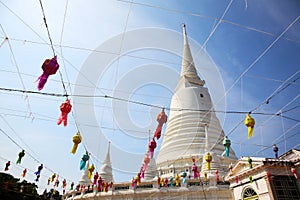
[12, 189]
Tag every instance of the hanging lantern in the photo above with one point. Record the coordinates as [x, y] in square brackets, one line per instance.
[250, 179]
[50, 67]
[294, 171]
[171, 181]
[56, 182]
[161, 119]
[249, 122]
[64, 183]
[84, 158]
[133, 182]
[226, 143]
[146, 162]
[275, 149]
[38, 172]
[65, 108]
[195, 169]
[53, 177]
[236, 179]
[177, 180]
[184, 177]
[76, 140]
[37, 177]
[7, 166]
[96, 176]
[72, 185]
[152, 146]
[162, 182]
[24, 172]
[138, 179]
[250, 162]
[217, 175]
[208, 159]
[142, 172]
[91, 170]
[21, 155]
[166, 182]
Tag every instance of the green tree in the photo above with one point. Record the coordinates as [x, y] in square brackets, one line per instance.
[12, 188]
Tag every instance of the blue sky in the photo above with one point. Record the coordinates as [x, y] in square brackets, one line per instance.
[253, 45]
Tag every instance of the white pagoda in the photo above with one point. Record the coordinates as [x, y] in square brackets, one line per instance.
[106, 169]
[193, 128]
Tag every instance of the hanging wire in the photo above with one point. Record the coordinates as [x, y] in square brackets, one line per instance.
[27, 153]
[49, 37]
[18, 71]
[278, 90]
[4, 40]
[275, 93]
[13, 130]
[260, 56]
[52, 47]
[217, 25]
[136, 102]
[280, 141]
[284, 136]
[278, 113]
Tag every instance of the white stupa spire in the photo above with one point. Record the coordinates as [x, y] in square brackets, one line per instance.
[188, 70]
[193, 128]
[106, 168]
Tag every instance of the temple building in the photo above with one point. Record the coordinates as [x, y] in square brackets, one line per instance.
[266, 178]
[194, 135]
